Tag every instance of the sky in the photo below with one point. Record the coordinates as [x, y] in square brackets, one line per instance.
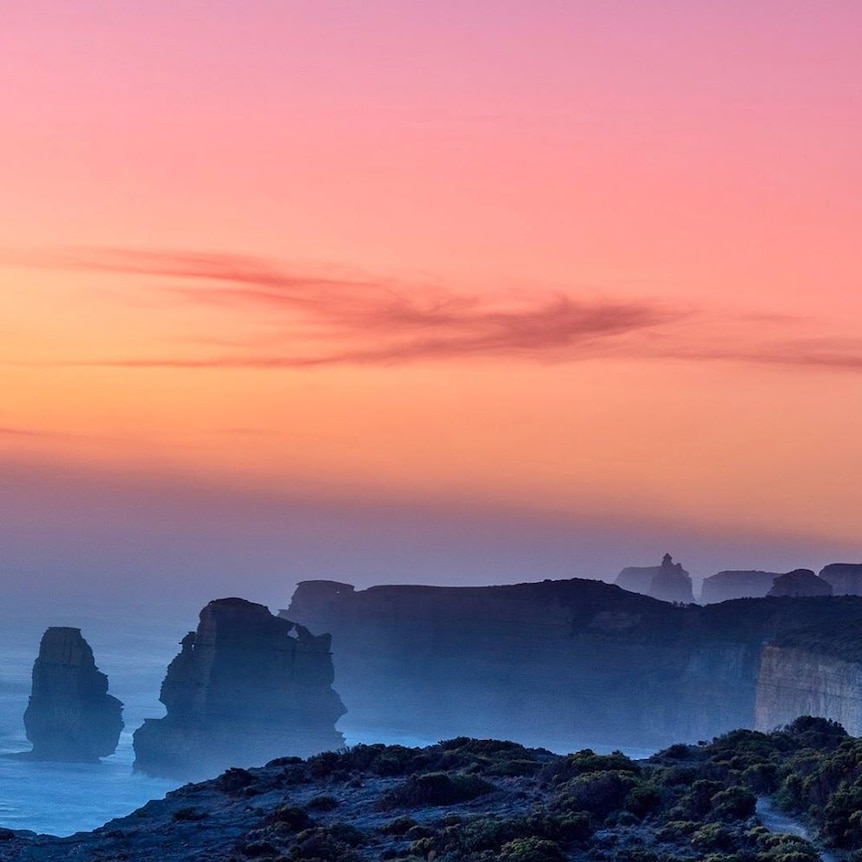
[447, 293]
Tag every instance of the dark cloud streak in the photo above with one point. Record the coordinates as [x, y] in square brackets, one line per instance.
[336, 321]
[308, 320]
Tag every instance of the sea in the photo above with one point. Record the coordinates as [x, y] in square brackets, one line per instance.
[133, 647]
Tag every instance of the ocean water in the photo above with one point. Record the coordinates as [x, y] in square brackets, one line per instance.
[61, 798]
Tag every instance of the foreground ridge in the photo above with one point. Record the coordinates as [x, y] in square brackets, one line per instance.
[480, 800]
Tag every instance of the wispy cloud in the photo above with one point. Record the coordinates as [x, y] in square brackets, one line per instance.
[290, 318]
[322, 320]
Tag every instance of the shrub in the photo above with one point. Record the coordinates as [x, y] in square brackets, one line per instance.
[735, 803]
[696, 804]
[599, 793]
[399, 826]
[643, 799]
[234, 780]
[587, 761]
[842, 825]
[531, 850]
[334, 844]
[436, 788]
[713, 836]
[291, 818]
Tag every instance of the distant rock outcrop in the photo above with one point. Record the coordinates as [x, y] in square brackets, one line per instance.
[71, 716]
[672, 583]
[844, 578]
[736, 584]
[637, 579]
[800, 582]
[669, 582]
[246, 687]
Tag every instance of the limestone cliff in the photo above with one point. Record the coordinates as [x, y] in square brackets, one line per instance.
[70, 716]
[796, 682]
[736, 584]
[559, 663]
[844, 578]
[800, 582]
[246, 687]
[636, 579]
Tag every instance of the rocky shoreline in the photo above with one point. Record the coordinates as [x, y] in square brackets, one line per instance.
[482, 800]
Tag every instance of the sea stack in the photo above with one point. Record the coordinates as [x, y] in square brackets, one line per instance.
[70, 717]
[669, 582]
[246, 687]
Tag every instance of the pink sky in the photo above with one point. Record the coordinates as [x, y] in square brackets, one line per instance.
[582, 260]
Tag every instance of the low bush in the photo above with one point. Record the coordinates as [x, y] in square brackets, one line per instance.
[531, 850]
[436, 789]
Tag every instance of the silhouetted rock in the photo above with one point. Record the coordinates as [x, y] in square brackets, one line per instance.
[800, 582]
[669, 582]
[739, 584]
[246, 687]
[844, 578]
[71, 716]
[637, 579]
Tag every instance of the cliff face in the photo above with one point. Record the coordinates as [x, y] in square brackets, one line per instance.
[70, 716]
[560, 663]
[800, 582]
[246, 687]
[796, 682]
[844, 578]
[739, 584]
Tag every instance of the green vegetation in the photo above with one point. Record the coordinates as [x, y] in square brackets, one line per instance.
[468, 800]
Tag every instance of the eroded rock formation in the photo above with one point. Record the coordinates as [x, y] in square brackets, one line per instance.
[844, 578]
[246, 687]
[669, 582]
[71, 716]
[800, 582]
[736, 584]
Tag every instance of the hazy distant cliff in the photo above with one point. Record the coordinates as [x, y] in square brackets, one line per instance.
[845, 578]
[738, 584]
[558, 663]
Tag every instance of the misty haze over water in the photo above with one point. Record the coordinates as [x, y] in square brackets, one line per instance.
[133, 647]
